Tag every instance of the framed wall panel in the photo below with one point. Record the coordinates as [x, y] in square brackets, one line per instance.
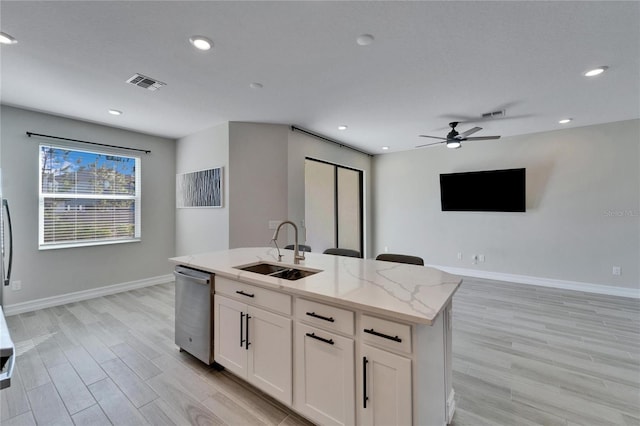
[199, 189]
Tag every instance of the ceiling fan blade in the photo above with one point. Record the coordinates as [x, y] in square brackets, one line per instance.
[482, 138]
[468, 132]
[430, 144]
[433, 137]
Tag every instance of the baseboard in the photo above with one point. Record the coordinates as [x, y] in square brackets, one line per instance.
[544, 282]
[47, 302]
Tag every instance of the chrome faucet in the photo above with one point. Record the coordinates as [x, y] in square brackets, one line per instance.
[296, 255]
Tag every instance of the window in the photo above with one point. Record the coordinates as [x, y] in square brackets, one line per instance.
[87, 198]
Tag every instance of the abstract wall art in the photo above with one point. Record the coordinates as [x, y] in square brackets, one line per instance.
[199, 189]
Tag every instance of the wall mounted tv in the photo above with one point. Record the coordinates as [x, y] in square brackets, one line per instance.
[484, 191]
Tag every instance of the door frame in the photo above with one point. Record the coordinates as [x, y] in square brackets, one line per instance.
[335, 194]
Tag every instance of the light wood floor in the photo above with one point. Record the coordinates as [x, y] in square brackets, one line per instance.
[523, 355]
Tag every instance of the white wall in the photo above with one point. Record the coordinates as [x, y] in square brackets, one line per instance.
[50, 273]
[302, 146]
[258, 182]
[200, 230]
[583, 206]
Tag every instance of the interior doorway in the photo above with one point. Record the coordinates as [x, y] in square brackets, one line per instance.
[333, 206]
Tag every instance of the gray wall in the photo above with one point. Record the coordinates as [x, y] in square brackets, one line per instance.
[203, 229]
[258, 182]
[264, 170]
[55, 272]
[583, 206]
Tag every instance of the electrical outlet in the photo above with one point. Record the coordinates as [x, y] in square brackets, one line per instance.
[616, 270]
[459, 255]
[474, 259]
[386, 249]
[16, 285]
[481, 258]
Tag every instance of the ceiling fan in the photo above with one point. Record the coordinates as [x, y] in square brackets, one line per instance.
[454, 139]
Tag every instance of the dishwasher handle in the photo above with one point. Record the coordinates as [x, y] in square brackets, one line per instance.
[5, 378]
[203, 281]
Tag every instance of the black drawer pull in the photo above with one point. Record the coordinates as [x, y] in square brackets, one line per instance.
[322, 339]
[245, 294]
[386, 336]
[313, 314]
[241, 331]
[246, 342]
[365, 398]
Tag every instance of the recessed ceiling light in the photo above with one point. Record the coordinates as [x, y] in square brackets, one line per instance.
[595, 71]
[201, 42]
[256, 85]
[385, 148]
[565, 120]
[365, 39]
[342, 127]
[115, 112]
[7, 39]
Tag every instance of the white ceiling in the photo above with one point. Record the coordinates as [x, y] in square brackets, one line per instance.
[430, 63]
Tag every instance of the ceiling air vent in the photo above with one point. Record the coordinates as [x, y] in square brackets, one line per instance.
[145, 82]
[494, 114]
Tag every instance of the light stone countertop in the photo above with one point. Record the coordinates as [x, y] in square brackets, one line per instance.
[411, 293]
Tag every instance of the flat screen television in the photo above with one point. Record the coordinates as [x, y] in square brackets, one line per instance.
[484, 191]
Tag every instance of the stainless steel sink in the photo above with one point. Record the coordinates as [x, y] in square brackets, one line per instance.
[277, 271]
[262, 268]
[293, 274]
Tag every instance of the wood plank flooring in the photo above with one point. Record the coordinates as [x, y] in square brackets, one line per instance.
[527, 355]
[522, 355]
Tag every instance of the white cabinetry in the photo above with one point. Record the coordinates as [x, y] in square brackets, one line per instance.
[385, 391]
[333, 365]
[386, 388]
[254, 344]
[324, 376]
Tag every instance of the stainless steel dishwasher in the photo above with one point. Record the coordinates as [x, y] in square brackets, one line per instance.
[194, 322]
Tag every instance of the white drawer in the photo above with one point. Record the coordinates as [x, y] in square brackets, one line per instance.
[385, 333]
[253, 295]
[325, 316]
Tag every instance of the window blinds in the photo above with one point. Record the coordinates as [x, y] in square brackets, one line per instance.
[87, 198]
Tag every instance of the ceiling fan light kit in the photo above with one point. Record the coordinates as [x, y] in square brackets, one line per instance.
[454, 139]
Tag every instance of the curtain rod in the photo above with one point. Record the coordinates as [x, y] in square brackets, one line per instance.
[146, 151]
[326, 139]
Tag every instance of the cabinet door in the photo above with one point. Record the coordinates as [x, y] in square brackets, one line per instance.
[269, 364]
[228, 341]
[386, 386]
[324, 376]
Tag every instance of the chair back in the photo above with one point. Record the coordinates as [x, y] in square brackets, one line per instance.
[301, 247]
[342, 252]
[400, 258]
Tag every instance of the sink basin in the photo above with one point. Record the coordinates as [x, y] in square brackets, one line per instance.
[262, 268]
[277, 271]
[293, 274]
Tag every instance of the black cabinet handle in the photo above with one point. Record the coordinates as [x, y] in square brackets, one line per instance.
[322, 339]
[365, 398]
[313, 314]
[246, 342]
[245, 294]
[241, 331]
[386, 336]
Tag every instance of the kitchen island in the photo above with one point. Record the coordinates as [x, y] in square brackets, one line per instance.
[356, 342]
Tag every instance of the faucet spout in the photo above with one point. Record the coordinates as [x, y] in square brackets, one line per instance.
[296, 255]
